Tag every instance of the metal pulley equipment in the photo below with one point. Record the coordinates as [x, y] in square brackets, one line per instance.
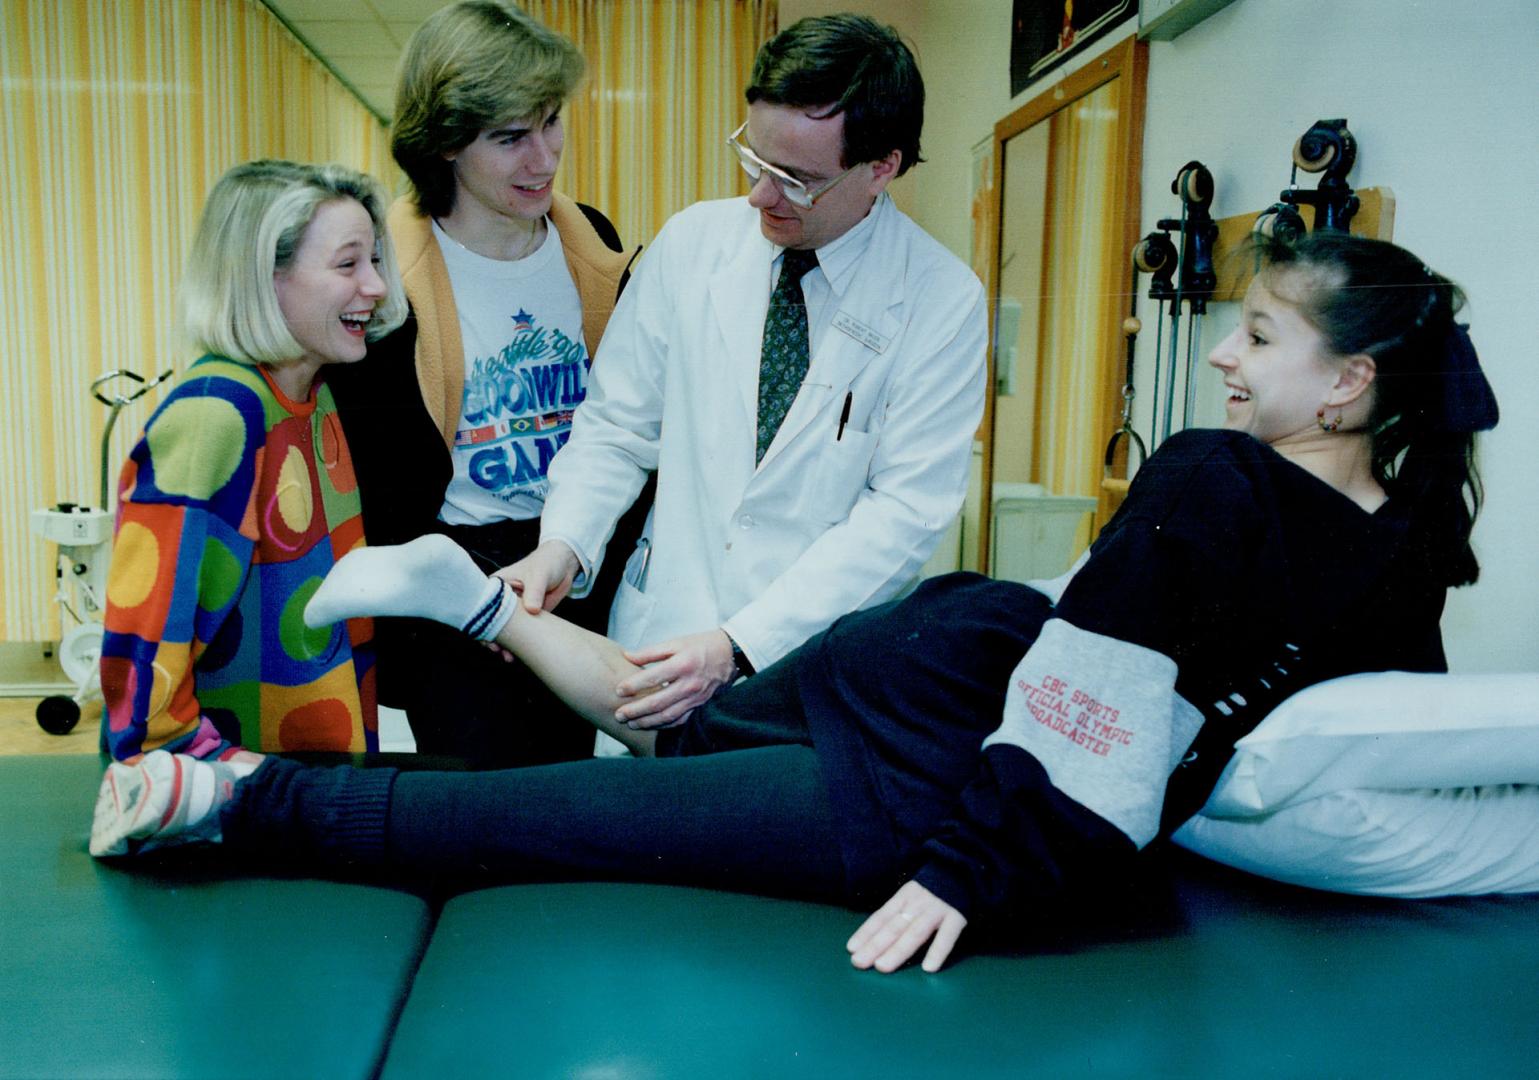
[1329, 148]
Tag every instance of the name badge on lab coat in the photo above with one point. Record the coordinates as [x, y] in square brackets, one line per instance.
[860, 332]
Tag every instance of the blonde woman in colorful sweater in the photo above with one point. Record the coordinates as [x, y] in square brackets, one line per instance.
[240, 496]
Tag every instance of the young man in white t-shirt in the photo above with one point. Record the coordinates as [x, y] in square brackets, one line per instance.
[526, 369]
[453, 419]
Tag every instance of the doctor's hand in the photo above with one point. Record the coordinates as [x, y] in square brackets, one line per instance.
[900, 927]
[685, 671]
[544, 576]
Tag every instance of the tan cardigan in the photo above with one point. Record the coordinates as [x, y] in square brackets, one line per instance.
[595, 269]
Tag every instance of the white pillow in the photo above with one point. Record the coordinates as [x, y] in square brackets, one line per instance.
[1389, 843]
[1393, 783]
[1389, 731]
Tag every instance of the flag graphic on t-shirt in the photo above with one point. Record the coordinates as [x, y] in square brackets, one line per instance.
[517, 408]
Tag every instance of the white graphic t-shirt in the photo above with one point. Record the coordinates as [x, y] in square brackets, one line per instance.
[526, 369]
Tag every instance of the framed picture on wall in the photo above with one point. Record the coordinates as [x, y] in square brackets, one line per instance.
[1043, 33]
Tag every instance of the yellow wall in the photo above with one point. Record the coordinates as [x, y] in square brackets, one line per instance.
[115, 120]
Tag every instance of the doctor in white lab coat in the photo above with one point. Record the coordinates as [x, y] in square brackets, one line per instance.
[742, 562]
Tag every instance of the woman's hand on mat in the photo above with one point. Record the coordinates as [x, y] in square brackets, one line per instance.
[900, 927]
[544, 576]
[683, 674]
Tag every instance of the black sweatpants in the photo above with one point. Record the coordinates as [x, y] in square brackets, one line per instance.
[739, 802]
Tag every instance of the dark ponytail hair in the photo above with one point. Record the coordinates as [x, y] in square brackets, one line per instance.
[1368, 296]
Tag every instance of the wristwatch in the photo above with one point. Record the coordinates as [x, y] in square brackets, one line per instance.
[740, 659]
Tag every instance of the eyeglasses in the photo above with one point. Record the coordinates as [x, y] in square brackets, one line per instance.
[796, 192]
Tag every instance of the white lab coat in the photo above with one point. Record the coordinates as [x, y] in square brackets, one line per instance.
[825, 524]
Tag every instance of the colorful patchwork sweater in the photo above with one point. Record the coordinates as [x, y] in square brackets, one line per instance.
[232, 508]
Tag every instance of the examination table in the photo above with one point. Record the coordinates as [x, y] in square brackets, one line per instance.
[186, 967]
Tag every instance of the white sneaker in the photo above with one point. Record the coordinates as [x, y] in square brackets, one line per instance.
[161, 800]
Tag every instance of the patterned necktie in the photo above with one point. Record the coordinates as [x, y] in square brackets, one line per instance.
[783, 361]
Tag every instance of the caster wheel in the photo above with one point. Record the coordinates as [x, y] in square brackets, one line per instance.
[58, 715]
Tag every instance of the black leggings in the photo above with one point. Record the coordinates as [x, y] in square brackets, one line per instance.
[744, 806]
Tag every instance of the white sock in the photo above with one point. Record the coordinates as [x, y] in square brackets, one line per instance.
[430, 578]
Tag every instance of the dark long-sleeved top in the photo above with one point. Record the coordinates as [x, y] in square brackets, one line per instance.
[1053, 736]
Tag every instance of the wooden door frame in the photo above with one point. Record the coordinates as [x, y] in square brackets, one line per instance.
[1128, 59]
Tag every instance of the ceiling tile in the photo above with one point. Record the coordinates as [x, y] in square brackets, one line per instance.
[401, 31]
[361, 39]
[380, 103]
[346, 40]
[299, 10]
[405, 10]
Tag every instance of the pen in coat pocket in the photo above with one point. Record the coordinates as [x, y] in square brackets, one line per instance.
[640, 582]
[844, 415]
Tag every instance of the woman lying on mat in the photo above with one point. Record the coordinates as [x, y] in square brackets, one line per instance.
[240, 496]
[980, 749]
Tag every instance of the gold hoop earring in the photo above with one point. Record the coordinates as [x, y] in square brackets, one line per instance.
[1327, 426]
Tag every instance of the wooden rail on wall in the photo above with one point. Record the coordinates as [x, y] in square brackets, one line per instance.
[1375, 218]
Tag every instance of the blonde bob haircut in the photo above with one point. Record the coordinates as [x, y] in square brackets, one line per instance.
[472, 66]
[251, 227]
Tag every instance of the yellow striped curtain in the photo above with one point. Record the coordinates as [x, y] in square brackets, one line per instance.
[116, 117]
[1083, 262]
[646, 132]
